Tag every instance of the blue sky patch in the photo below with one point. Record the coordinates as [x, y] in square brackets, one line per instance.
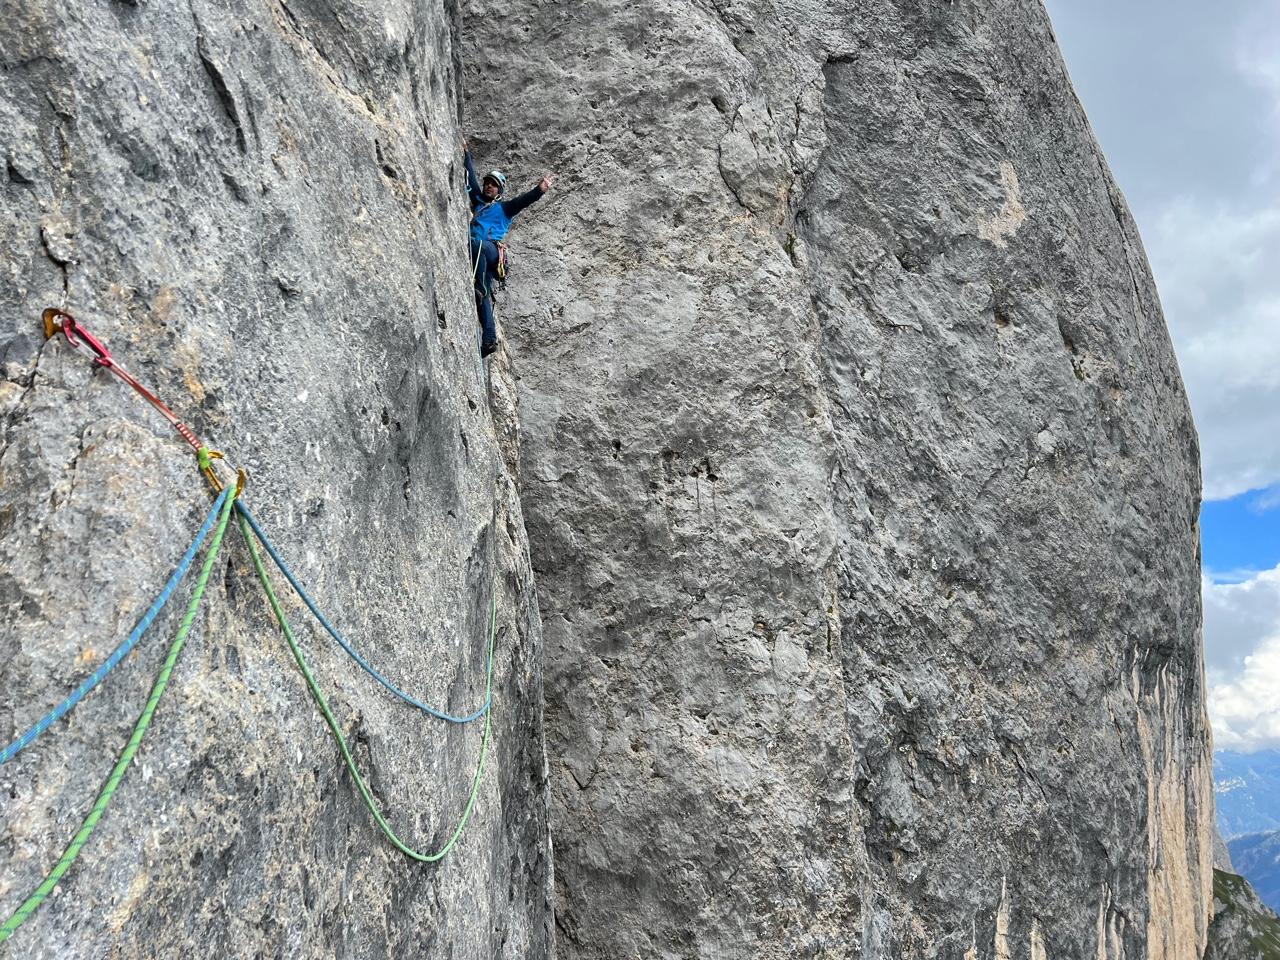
[1241, 536]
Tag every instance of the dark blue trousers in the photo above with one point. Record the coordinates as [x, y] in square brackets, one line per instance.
[486, 277]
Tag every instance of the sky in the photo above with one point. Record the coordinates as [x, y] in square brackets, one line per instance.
[1184, 96]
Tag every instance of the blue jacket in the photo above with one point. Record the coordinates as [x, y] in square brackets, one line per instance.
[491, 219]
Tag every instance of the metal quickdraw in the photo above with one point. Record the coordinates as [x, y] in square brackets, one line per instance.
[59, 321]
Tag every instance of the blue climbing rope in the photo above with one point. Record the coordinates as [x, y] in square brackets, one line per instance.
[122, 651]
[293, 582]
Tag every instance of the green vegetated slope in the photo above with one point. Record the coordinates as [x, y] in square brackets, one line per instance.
[1242, 927]
[1256, 856]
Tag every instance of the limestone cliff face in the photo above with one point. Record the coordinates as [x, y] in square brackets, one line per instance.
[861, 485]
[257, 206]
[860, 481]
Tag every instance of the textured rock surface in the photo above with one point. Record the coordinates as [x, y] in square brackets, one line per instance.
[257, 206]
[861, 485]
[1221, 855]
[1242, 928]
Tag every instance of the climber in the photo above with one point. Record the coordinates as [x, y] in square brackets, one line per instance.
[490, 220]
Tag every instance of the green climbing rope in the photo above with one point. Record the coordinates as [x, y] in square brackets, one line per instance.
[32, 903]
[60, 321]
[334, 730]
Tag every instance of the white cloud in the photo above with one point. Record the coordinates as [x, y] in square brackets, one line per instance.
[1215, 267]
[1257, 41]
[1242, 658]
[1256, 49]
[1214, 252]
[1215, 263]
[1267, 500]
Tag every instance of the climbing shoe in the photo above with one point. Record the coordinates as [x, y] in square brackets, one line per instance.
[488, 348]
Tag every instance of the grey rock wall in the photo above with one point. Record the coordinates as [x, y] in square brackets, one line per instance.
[257, 206]
[1221, 855]
[861, 485]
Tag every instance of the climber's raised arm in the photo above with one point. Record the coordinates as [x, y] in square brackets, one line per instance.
[512, 207]
[473, 183]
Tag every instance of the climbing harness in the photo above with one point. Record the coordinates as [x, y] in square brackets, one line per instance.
[32, 903]
[244, 512]
[121, 651]
[59, 321]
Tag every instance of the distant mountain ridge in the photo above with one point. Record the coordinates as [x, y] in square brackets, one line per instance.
[1247, 789]
[1256, 856]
